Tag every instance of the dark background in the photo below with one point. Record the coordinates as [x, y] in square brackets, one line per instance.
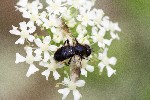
[132, 81]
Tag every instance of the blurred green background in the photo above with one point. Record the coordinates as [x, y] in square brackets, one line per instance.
[131, 82]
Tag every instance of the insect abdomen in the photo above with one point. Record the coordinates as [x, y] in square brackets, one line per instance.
[64, 53]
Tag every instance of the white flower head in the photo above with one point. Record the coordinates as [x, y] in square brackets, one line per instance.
[25, 31]
[65, 20]
[106, 62]
[29, 59]
[71, 86]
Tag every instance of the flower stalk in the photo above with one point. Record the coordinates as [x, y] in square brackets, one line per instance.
[75, 69]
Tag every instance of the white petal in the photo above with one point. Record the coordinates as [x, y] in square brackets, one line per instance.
[28, 51]
[42, 63]
[110, 71]
[101, 66]
[14, 31]
[32, 69]
[56, 75]
[23, 25]
[101, 44]
[83, 72]
[91, 23]
[65, 92]
[22, 3]
[26, 14]
[102, 32]
[20, 41]
[46, 73]
[112, 61]
[30, 24]
[37, 58]
[34, 10]
[105, 52]
[108, 42]
[76, 95]
[94, 31]
[38, 42]
[47, 40]
[31, 38]
[52, 47]
[66, 80]
[90, 68]
[100, 56]
[80, 83]
[19, 58]
[46, 56]
[39, 22]
[31, 30]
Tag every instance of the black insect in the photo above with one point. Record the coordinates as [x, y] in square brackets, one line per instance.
[68, 51]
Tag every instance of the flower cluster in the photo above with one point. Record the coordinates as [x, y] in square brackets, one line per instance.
[62, 20]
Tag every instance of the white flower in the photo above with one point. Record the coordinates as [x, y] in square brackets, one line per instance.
[52, 66]
[55, 6]
[45, 47]
[25, 32]
[83, 39]
[67, 15]
[57, 35]
[113, 28]
[71, 23]
[86, 67]
[71, 86]
[86, 17]
[51, 21]
[106, 62]
[81, 29]
[30, 10]
[110, 26]
[76, 3]
[29, 59]
[87, 5]
[98, 14]
[98, 36]
[22, 3]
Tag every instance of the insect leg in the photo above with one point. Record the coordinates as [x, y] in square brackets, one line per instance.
[69, 61]
[67, 41]
[76, 41]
